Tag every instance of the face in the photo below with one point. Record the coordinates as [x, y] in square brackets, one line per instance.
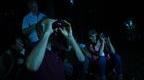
[93, 37]
[58, 41]
[34, 7]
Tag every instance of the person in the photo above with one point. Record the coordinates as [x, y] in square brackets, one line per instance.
[12, 60]
[44, 61]
[95, 50]
[115, 58]
[129, 26]
[31, 25]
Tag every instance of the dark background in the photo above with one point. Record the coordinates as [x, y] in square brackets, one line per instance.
[105, 16]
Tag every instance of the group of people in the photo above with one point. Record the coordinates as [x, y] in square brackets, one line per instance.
[55, 54]
[100, 53]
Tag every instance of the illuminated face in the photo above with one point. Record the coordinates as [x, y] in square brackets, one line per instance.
[93, 37]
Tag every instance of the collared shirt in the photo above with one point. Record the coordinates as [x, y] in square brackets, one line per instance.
[29, 20]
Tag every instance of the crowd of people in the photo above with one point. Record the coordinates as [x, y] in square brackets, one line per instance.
[50, 51]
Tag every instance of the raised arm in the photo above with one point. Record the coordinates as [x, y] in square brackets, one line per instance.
[86, 52]
[101, 50]
[28, 30]
[67, 32]
[35, 58]
[112, 49]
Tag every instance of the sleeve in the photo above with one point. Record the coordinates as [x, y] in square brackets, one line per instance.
[81, 45]
[25, 23]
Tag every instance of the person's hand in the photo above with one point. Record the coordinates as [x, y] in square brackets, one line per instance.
[47, 24]
[108, 40]
[102, 39]
[66, 31]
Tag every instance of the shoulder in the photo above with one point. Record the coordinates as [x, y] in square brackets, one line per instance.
[27, 16]
[42, 14]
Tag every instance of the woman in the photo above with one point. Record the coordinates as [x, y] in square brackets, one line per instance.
[96, 51]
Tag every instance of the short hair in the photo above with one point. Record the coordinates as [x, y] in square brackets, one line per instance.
[92, 31]
[30, 2]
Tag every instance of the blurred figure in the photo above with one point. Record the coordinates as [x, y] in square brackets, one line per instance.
[44, 61]
[96, 52]
[12, 60]
[130, 29]
[31, 25]
[7, 63]
[114, 58]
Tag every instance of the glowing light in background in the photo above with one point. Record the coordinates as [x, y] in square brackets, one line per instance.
[72, 2]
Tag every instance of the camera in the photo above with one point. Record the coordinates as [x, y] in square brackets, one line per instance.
[59, 24]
